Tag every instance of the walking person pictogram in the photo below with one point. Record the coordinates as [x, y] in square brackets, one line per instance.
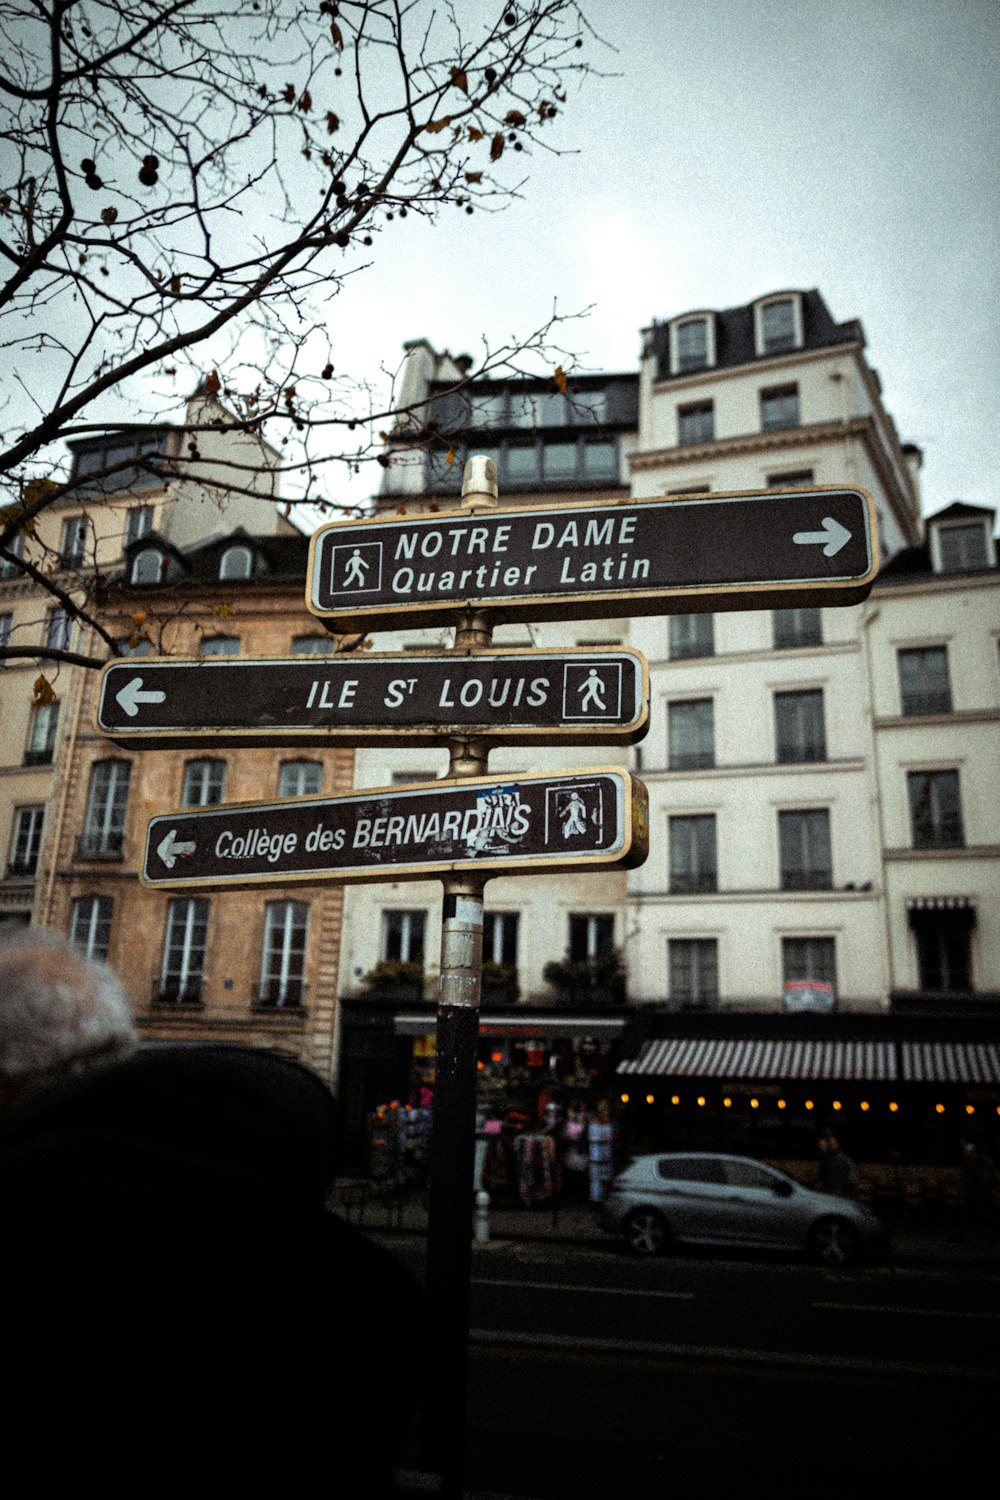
[354, 573]
[593, 692]
[574, 816]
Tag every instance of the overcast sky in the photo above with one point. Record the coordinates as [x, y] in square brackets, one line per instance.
[746, 146]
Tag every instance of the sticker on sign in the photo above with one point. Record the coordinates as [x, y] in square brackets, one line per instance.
[571, 820]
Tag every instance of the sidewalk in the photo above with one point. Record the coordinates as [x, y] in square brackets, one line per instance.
[369, 1207]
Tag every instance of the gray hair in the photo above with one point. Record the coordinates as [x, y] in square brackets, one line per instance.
[60, 1013]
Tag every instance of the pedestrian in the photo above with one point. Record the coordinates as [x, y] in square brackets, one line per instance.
[977, 1184]
[837, 1172]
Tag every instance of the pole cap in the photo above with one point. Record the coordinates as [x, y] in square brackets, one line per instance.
[480, 484]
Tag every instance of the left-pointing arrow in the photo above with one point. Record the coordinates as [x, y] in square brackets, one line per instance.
[171, 849]
[130, 696]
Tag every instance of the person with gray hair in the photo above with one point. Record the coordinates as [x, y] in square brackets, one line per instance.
[61, 1014]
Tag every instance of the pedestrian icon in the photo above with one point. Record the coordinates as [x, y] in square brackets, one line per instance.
[574, 816]
[356, 568]
[592, 690]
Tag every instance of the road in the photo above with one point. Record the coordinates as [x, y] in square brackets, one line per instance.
[595, 1375]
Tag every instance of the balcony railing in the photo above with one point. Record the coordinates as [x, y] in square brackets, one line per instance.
[275, 994]
[42, 757]
[99, 846]
[177, 995]
[22, 869]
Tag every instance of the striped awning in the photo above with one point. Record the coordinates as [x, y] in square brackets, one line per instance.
[691, 1057]
[950, 1062]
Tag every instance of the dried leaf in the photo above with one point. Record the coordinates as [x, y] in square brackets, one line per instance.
[175, 285]
[332, 122]
[44, 692]
[212, 384]
[514, 117]
[223, 610]
[139, 618]
[306, 102]
[435, 125]
[460, 79]
[559, 379]
[133, 641]
[449, 457]
[473, 176]
[288, 93]
[475, 135]
[336, 34]
[109, 215]
[496, 149]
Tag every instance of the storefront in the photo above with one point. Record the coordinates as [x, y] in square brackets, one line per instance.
[538, 1067]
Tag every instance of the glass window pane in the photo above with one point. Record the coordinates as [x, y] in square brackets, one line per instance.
[696, 424]
[283, 962]
[403, 935]
[600, 461]
[963, 548]
[523, 465]
[184, 952]
[691, 735]
[691, 635]
[300, 778]
[923, 681]
[90, 926]
[204, 783]
[693, 853]
[935, 809]
[804, 841]
[779, 408]
[500, 937]
[559, 460]
[314, 645]
[797, 627]
[692, 345]
[800, 734]
[107, 801]
[27, 841]
[778, 324]
[219, 645]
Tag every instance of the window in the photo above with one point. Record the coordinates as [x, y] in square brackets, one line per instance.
[6, 625]
[75, 539]
[778, 325]
[27, 841]
[693, 966]
[149, 566]
[924, 687]
[236, 562]
[314, 645]
[691, 635]
[142, 647]
[183, 953]
[92, 463]
[808, 958]
[804, 844]
[219, 645]
[90, 926]
[779, 407]
[796, 627]
[691, 345]
[799, 732]
[962, 548]
[590, 936]
[692, 854]
[138, 523]
[204, 783]
[286, 934]
[300, 778]
[107, 800]
[943, 930]
[691, 735]
[42, 735]
[15, 549]
[403, 935]
[59, 630]
[796, 480]
[935, 809]
[500, 937]
[695, 423]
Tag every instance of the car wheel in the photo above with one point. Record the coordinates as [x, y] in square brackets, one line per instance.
[646, 1232]
[833, 1243]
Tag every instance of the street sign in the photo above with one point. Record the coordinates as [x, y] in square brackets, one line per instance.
[491, 825]
[566, 697]
[767, 549]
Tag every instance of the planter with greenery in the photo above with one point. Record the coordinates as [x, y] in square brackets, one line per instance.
[395, 979]
[594, 981]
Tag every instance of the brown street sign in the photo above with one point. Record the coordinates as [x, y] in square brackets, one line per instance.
[577, 820]
[767, 549]
[566, 697]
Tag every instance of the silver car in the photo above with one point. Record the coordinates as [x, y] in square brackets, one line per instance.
[701, 1199]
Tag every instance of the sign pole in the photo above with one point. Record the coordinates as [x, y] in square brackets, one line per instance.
[453, 1141]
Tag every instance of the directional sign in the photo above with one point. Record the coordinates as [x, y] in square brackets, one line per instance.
[574, 820]
[766, 549]
[570, 697]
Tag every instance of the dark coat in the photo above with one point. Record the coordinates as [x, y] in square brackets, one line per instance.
[180, 1292]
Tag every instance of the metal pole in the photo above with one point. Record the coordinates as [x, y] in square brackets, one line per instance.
[453, 1144]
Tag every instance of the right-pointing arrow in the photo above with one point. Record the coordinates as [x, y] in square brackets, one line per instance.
[129, 697]
[833, 535]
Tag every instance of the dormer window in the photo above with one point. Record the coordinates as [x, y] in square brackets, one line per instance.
[692, 344]
[149, 565]
[962, 547]
[778, 324]
[236, 562]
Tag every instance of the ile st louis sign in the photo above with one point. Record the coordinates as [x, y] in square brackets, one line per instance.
[540, 697]
[767, 549]
[577, 820]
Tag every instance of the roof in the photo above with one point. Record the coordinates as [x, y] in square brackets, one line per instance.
[735, 343]
[286, 557]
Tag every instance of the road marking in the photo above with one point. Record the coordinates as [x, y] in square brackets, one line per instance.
[821, 1363]
[562, 1286]
[910, 1312]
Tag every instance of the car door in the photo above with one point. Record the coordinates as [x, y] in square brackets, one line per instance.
[760, 1207]
[691, 1190]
